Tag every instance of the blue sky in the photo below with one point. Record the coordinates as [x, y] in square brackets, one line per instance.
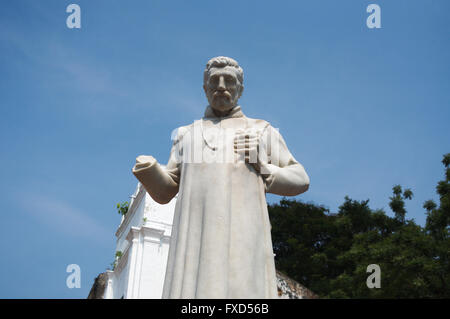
[362, 109]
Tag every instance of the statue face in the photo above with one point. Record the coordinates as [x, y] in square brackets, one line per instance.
[223, 89]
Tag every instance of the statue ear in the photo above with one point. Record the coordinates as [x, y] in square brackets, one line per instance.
[241, 89]
[204, 88]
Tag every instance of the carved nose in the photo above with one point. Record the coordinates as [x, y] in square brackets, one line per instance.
[221, 85]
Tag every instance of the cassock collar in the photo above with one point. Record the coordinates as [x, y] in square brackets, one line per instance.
[235, 112]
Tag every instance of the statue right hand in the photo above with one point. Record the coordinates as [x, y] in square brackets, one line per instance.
[144, 161]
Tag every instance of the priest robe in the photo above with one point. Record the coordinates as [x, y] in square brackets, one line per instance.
[221, 244]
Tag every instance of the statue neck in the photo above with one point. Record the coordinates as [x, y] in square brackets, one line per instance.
[234, 112]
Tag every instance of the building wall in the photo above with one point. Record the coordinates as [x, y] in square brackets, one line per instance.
[143, 237]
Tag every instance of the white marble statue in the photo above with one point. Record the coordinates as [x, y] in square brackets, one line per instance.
[221, 166]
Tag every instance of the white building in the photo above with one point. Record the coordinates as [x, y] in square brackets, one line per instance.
[143, 239]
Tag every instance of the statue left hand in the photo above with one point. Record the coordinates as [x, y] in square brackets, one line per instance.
[246, 144]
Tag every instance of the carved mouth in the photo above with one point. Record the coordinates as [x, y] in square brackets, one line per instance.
[222, 95]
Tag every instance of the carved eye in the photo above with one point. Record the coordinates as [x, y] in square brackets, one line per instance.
[213, 80]
[229, 79]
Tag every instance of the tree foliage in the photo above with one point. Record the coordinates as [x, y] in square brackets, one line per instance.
[122, 208]
[329, 252]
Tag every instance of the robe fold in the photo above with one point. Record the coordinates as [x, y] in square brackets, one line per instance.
[221, 244]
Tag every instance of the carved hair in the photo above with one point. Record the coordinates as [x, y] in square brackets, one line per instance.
[221, 62]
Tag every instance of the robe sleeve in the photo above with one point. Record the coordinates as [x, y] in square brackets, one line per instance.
[160, 182]
[282, 173]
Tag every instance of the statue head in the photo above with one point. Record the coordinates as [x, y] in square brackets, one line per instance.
[223, 82]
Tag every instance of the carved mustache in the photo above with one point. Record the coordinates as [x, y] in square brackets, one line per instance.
[222, 94]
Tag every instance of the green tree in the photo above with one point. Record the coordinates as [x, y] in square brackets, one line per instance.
[122, 208]
[438, 218]
[397, 202]
[329, 253]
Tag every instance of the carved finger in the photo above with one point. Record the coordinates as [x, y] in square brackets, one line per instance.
[252, 140]
[246, 149]
[245, 145]
[242, 137]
